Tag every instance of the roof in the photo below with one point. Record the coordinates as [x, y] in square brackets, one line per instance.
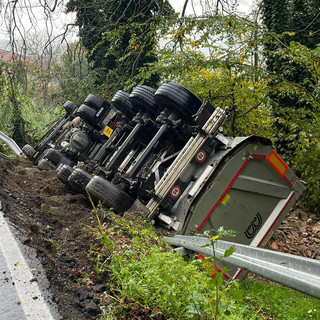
[6, 56]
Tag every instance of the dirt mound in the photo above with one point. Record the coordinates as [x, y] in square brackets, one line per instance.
[54, 221]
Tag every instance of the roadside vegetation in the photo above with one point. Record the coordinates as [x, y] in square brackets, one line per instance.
[146, 279]
[262, 67]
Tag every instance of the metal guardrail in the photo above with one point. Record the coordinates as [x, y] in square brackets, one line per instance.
[299, 273]
[11, 144]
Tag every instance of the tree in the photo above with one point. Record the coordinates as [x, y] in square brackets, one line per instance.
[293, 62]
[25, 23]
[284, 23]
[74, 77]
[215, 55]
[119, 36]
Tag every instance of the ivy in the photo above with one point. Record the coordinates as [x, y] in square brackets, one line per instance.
[293, 63]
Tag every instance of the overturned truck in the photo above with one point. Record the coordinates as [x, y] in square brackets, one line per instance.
[161, 152]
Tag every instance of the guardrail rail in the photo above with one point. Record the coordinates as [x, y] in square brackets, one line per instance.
[299, 273]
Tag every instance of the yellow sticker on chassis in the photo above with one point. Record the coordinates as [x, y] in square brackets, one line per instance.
[107, 131]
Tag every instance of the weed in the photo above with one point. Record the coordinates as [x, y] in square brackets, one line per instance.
[101, 253]
[143, 273]
[216, 273]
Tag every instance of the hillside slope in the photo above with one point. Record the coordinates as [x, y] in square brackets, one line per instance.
[53, 221]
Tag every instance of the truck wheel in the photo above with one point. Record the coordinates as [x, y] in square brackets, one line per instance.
[64, 173]
[121, 101]
[69, 107]
[65, 160]
[29, 151]
[109, 194]
[177, 97]
[53, 156]
[142, 97]
[88, 114]
[79, 179]
[46, 165]
[95, 102]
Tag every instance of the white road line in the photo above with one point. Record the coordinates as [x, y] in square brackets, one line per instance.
[29, 296]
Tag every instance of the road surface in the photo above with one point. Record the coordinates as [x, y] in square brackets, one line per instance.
[24, 290]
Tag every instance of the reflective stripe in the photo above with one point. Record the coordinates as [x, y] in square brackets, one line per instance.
[272, 157]
[223, 195]
[277, 163]
[275, 220]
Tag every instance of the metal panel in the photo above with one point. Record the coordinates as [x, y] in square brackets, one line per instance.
[260, 186]
[245, 194]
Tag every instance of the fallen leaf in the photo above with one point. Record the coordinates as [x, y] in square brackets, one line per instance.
[89, 283]
[316, 228]
[274, 246]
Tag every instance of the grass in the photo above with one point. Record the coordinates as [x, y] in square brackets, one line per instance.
[147, 281]
[38, 120]
[144, 274]
[280, 302]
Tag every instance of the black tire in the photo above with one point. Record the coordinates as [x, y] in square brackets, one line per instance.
[45, 164]
[69, 107]
[177, 97]
[88, 114]
[96, 103]
[53, 156]
[142, 97]
[79, 179]
[64, 173]
[121, 101]
[65, 160]
[106, 192]
[29, 151]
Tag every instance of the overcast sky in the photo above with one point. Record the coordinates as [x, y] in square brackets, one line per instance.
[34, 21]
[198, 5]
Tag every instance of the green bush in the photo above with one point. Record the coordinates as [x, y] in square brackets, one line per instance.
[306, 160]
[21, 108]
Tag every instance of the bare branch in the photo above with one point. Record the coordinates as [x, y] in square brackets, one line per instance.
[184, 8]
[252, 108]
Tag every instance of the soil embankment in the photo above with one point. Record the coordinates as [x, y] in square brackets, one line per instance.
[53, 221]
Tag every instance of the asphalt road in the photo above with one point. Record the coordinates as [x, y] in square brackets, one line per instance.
[24, 292]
